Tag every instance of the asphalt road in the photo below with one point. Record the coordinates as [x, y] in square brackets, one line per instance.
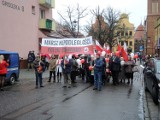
[23, 102]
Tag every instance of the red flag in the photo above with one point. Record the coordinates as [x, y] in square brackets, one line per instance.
[124, 54]
[119, 47]
[98, 46]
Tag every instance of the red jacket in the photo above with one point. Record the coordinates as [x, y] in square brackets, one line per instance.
[3, 67]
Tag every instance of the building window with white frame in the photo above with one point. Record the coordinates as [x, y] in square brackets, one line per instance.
[42, 14]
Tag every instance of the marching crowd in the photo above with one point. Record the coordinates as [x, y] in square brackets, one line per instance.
[96, 69]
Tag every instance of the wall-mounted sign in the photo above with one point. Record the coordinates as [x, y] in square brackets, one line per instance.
[12, 5]
[141, 48]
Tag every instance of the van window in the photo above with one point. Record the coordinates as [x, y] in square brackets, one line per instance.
[6, 56]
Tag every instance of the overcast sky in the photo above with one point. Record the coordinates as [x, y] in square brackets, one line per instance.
[136, 8]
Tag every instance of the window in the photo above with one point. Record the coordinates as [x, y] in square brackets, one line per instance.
[130, 43]
[126, 33]
[33, 10]
[122, 43]
[48, 1]
[42, 14]
[158, 66]
[122, 33]
[130, 33]
[155, 7]
[127, 43]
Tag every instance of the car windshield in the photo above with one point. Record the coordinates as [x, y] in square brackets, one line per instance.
[158, 66]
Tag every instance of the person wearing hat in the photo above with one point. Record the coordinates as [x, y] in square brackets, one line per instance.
[98, 70]
[52, 68]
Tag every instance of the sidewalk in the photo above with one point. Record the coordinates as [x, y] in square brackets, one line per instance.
[25, 74]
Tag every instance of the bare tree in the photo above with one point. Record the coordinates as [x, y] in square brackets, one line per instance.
[106, 26]
[71, 21]
[98, 29]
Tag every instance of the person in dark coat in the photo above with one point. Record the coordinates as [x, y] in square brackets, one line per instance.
[30, 60]
[74, 67]
[98, 71]
[104, 70]
[114, 66]
[87, 72]
[66, 69]
[39, 69]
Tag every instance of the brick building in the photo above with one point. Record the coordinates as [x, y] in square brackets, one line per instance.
[139, 39]
[152, 14]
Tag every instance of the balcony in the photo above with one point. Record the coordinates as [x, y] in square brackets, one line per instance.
[46, 24]
[47, 3]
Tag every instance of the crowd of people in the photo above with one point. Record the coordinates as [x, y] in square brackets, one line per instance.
[96, 69]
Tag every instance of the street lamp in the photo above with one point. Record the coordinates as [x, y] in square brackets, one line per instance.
[74, 32]
[74, 25]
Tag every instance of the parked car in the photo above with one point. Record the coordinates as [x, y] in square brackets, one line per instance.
[14, 66]
[152, 78]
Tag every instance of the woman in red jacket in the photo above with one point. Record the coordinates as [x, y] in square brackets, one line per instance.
[3, 71]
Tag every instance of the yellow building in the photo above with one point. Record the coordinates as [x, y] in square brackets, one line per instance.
[126, 33]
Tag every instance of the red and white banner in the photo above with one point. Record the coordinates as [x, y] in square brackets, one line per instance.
[67, 46]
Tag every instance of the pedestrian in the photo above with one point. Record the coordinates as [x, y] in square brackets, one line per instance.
[39, 69]
[66, 69]
[104, 70]
[33, 56]
[98, 71]
[59, 70]
[3, 71]
[46, 62]
[114, 66]
[129, 69]
[74, 67]
[85, 71]
[52, 68]
[30, 59]
[122, 76]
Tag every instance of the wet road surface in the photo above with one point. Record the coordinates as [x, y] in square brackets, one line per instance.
[23, 102]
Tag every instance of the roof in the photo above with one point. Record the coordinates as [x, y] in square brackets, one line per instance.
[139, 33]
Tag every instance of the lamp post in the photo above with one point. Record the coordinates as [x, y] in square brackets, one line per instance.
[74, 25]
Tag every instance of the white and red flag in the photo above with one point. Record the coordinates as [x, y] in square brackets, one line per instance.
[107, 49]
[98, 46]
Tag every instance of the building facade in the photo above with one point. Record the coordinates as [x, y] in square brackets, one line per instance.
[24, 23]
[126, 35]
[139, 40]
[153, 13]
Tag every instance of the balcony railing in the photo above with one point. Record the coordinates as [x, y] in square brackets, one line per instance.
[47, 3]
[46, 24]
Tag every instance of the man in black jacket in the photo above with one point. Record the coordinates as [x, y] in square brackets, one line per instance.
[114, 66]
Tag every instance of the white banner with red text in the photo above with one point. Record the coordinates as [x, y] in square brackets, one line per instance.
[67, 46]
